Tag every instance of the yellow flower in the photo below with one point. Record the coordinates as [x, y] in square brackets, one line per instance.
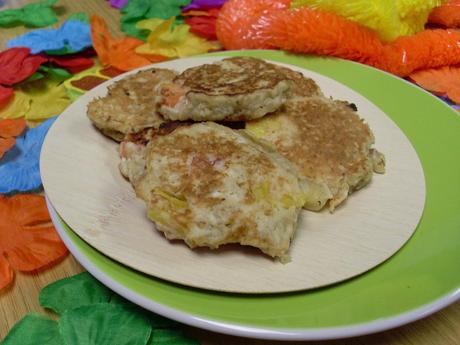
[37, 100]
[172, 42]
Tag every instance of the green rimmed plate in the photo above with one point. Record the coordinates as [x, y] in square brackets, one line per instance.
[423, 277]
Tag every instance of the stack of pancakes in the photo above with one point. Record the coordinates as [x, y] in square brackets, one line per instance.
[209, 183]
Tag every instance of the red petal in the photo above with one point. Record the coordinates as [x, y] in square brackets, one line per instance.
[5, 95]
[10, 57]
[73, 64]
[203, 26]
[17, 65]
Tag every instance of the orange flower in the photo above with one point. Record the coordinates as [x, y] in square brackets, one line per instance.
[6, 144]
[27, 242]
[448, 14]
[12, 128]
[444, 81]
[118, 53]
[8, 130]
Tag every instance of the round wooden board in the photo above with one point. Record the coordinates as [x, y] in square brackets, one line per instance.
[79, 168]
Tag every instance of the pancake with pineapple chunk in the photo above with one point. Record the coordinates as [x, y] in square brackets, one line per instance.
[131, 104]
[233, 89]
[210, 185]
[326, 140]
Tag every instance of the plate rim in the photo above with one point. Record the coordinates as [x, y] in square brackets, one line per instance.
[234, 329]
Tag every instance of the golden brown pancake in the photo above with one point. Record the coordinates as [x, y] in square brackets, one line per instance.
[210, 185]
[326, 140]
[233, 89]
[302, 86]
[131, 104]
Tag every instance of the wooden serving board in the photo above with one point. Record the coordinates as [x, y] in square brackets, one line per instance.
[79, 168]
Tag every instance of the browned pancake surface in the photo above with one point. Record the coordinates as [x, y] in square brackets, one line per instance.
[131, 104]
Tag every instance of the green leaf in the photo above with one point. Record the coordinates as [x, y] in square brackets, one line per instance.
[34, 329]
[38, 14]
[64, 51]
[134, 11]
[166, 9]
[137, 10]
[35, 76]
[79, 290]
[170, 337]
[10, 18]
[55, 72]
[104, 324]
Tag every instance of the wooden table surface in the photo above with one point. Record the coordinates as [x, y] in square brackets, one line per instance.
[440, 328]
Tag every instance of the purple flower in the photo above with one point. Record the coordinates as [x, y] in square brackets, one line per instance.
[118, 3]
[203, 4]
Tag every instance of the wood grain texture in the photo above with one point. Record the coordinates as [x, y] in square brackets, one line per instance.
[440, 328]
[327, 248]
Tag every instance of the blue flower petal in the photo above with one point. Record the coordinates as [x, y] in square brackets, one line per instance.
[76, 34]
[19, 167]
[37, 40]
[73, 34]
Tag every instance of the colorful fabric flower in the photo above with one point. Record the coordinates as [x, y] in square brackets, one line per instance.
[72, 36]
[34, 329]
[137, 10]
[37, 100]
[17, 65]
[6, 93]
[119, 53]
[91, 314]
[204, 4]
[73, 63]
[172, 42]
[203, 23]
[27, 243]
[118, 3]
[19, 167]
[55, 72]
[9, 129]
[38, 14]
